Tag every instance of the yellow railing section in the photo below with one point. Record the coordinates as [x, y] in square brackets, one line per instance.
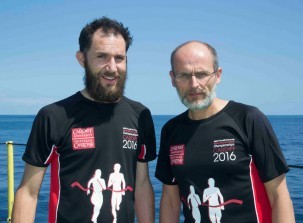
[10, 178]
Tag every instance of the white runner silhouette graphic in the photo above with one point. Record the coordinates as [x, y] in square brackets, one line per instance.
[117, 181]
[214, 197]
[98, 185]
[194, 201]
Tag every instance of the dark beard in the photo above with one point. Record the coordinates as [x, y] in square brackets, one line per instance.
[100, 93]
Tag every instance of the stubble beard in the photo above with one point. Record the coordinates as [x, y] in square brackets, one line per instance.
[200, 104]
[100, 93]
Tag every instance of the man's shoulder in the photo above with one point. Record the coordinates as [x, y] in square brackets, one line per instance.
[237, 108]
[60, 106]
[243, 113]
[178, 119]
[241, 106]
[73, 99]
[135, 105]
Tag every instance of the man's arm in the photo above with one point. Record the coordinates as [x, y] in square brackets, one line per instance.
[170, 204]
[144, 195]
[25, 204]
[281, 204]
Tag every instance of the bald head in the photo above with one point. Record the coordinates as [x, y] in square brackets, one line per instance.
[194, 47]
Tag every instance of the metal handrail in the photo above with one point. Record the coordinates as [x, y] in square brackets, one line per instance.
[10, 175]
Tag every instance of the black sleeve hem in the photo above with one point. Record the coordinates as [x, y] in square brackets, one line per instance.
[278, 173]
[165, 182]
[147, 160]
[34, 163]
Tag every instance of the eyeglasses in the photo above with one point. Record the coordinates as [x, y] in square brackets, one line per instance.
[200, 76]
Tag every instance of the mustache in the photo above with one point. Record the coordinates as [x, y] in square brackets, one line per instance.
[195, 91]
[108, 74]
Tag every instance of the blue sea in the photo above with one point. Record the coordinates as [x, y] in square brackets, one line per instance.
[289, 130]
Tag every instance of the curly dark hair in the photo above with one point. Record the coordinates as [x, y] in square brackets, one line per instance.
[109, 26]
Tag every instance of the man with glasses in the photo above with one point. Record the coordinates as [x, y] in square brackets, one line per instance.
[231, 143]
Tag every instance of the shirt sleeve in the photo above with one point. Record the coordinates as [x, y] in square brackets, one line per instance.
[41, 140]
[146, 150]
[163, 169]
[265, 148]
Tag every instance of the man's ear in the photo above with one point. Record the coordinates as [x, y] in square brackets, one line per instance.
[172, 76]
[219, 74]
[81, 58]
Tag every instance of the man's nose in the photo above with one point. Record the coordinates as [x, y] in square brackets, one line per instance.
[112, 65]
[194, 81]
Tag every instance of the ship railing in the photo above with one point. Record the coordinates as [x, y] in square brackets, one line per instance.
[10, 177]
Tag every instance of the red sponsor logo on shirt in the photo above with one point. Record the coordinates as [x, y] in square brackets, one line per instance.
[224, 145]
[176, 154]
[83, 138]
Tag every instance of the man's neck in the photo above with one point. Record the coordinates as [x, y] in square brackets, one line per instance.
[216, 106]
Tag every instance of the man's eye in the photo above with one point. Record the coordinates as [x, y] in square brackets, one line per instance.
[102, 56]
[119, 58]
[183, 76]
[201, 75]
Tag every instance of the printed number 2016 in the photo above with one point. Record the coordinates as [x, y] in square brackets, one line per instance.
[221, 157]
[129, 144]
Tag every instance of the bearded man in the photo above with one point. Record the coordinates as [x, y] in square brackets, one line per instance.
[92, 129]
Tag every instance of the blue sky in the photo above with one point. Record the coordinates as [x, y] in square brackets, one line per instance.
[259, 44]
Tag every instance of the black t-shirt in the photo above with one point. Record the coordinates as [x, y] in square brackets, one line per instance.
[221, 163]
[93, 149]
